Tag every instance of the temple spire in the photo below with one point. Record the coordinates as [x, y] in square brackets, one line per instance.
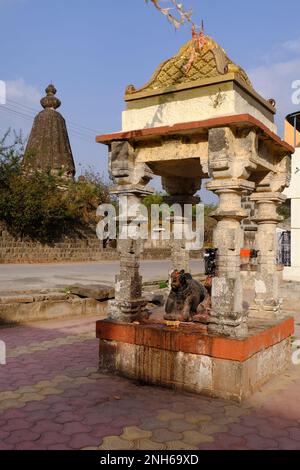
[48, 147]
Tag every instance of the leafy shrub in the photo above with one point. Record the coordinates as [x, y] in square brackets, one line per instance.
[43, 206]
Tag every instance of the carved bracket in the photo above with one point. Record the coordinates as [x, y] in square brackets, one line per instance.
[232, 153]
[123, 168]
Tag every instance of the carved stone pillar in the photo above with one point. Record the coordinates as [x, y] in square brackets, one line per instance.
[130, 179]
[128, 305]
[230, 164]
[248, 225]
[180, 257]
[180, 191]
[266, 303]
[228, 316]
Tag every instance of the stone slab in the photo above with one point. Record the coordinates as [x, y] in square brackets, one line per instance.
[98, 292]
[16, 299]
[154, 132]
[50, 310]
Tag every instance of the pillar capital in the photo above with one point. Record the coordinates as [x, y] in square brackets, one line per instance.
[268, 196]
[230, 184]
[267, 203]
[230, 192]
[131, 190]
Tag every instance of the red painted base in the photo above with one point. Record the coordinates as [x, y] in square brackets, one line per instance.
[193, 338]
[188, 358]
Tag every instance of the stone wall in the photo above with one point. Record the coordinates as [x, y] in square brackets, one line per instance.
[83, 246]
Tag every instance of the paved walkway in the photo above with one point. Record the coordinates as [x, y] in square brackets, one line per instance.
[39, 276]
[52, 397]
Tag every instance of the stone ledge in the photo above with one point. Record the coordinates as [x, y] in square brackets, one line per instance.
[194, 339]
[18, 313]
[16, 299]
[196, 126]
[93, 291]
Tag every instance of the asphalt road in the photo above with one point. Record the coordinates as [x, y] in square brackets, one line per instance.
[19, 277]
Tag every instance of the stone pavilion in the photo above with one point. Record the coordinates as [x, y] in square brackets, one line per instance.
[200, 118]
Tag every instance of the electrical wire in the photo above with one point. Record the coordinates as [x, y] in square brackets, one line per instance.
[70, 122]
[29, 117]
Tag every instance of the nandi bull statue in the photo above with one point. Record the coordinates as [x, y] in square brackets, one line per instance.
[188, 299]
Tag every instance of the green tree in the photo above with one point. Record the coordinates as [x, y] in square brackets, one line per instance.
[284, 210]
[10, 155]
[156, 198]
[40, 205]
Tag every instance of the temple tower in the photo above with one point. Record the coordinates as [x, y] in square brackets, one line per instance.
[48, 147]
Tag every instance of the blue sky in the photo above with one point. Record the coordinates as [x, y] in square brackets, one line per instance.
[92, 49]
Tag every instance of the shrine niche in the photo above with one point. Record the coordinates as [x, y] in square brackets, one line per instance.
[193, 121]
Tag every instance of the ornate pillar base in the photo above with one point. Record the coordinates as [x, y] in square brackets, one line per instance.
[127, 311]
[262, 310]
[234, 329]
[128, 305]
[227, 316]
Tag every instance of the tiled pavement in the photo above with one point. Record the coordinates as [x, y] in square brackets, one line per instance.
[52, 397]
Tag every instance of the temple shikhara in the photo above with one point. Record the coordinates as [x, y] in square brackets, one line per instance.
[48, 147]
[199, 118]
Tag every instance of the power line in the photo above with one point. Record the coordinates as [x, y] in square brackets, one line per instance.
[17, 105]
[24, 116]
[72, 128]
[72, 123]
[29, 117]
[22, 105]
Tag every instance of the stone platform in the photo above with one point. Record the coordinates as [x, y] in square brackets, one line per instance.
[188, 358]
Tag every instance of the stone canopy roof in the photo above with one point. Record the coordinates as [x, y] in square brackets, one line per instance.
[190, 64]
[48, 147]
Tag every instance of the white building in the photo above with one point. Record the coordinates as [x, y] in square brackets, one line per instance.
[292, 136]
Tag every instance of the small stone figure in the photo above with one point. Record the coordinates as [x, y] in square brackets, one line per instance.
[185, 298]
